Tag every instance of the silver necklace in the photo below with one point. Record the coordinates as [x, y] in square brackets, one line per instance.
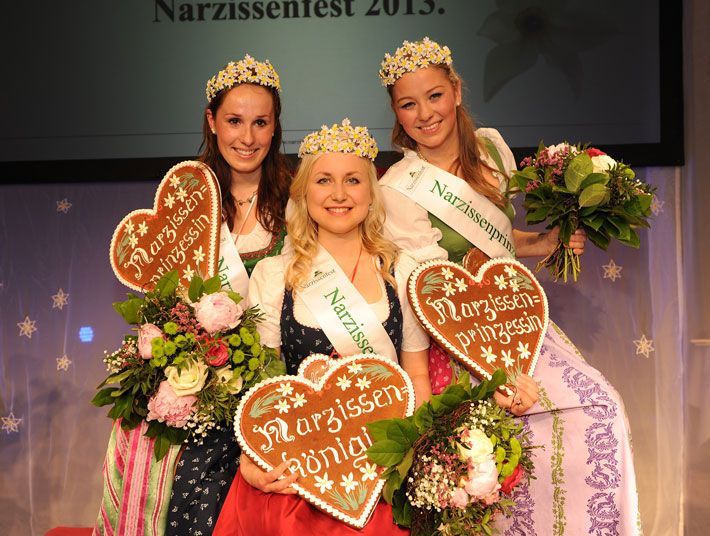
[249, 199]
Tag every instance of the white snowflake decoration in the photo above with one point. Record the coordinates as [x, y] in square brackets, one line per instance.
[656, 205]
[63, 206]
[10, 423]
[60, 299]
[612, 271]
[644, 346]
[63, 363]
[27, 327]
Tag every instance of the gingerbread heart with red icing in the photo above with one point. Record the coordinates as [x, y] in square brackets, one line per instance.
[320, 427]
[180, 232]
[495, 319]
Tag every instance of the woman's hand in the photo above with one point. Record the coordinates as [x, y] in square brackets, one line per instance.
[576, 240]
[416, 365]
[267, 481]
[527, 394]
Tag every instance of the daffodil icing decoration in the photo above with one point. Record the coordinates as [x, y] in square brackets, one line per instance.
[246, 71]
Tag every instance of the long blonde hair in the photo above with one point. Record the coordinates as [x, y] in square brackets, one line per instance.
[470, 148]
[303, 231]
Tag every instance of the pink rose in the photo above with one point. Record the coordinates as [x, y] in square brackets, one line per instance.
[482, 479]
[165, 406]
[459, 498]
[217, 354]
[146, 333]
[217, 311]
[512, 480]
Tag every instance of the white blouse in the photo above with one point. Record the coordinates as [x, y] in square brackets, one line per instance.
[257, 239]
[408, 224]
[266, 291]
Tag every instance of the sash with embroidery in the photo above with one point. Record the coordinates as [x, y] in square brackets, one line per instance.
[454, 202]
[341, 311]
[232, 274]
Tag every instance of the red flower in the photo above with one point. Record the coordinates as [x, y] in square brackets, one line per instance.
[594, 152]
[217, 354]
[511, 481]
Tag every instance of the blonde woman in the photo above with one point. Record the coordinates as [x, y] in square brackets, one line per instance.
[335, 227]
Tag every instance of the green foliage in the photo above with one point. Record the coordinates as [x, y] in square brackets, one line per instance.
[397, 445]
[563, 190]
[183, 344]
[578, 169]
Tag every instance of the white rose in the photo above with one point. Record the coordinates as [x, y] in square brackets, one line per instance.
[554, 149]
[477, 446]
[602, 163]
[226, 376]
[189, 381]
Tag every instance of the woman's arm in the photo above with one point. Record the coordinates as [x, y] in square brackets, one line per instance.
[267, 481]
[416, 365]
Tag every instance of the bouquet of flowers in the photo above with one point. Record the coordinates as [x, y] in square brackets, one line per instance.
[582, 188]
[190, 360]
[452, 466]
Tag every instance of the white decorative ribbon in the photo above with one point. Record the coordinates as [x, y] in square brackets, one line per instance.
[232, 273]
[454, 202]
[342, 312]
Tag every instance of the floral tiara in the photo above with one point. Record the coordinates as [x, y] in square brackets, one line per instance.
[246, 71]
[340, 139]
[410, 57]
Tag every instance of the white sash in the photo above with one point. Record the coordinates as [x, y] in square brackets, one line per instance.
[342, 312]
[232, 274]
[454, 202]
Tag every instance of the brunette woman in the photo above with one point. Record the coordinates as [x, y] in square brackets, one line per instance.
[242, 141]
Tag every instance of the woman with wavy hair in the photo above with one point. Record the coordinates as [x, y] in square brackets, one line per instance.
[585, 482]
[183, 493]
[335, 230]
[242, 145]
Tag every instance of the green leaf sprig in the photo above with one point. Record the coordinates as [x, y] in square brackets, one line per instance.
[563, 189]
[398, 445]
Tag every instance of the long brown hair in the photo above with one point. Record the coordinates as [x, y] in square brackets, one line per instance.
[272, 193]
[469, 161]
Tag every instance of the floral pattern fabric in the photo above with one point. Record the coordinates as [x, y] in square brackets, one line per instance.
[585, 481]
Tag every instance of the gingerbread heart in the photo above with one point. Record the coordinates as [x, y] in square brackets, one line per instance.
[320, 427]
[180, 232]
[496, 319]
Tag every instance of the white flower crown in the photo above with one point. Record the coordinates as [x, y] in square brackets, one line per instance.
[410, 57]
[341, 138]
[246, 71]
